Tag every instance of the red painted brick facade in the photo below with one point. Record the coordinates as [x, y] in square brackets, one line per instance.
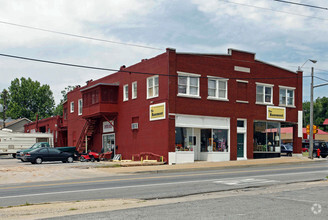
[159, 136]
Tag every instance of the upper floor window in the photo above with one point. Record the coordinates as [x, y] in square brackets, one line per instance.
[125, 92]
[264, 93]
[217, 88]
[134, 90]
[80, 106]
[188, 84]
[152, 87]
[286, 96]
[242, 91]
[72, 107]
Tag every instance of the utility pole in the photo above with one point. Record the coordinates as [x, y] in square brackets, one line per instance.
[311, 117]
[4, 97]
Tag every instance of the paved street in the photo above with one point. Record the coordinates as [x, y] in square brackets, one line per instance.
[161, 185]
[310, 202]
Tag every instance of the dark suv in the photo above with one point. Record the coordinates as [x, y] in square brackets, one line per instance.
[317, 145]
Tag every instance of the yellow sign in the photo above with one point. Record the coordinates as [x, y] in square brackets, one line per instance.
[276, 113]
[157, 111]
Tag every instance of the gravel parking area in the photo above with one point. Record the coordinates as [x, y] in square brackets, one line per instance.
[15, 171]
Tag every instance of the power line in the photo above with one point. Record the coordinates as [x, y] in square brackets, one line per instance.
[321, 79]
[300, 4]
[80, 36]
[128, 71]
[270, 9]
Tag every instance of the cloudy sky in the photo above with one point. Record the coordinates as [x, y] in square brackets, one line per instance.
[279, 33]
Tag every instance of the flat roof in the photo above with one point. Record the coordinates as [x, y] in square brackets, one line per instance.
[99, 84]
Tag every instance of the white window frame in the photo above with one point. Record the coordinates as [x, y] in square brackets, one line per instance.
[286, 88]
[263, 92]
[80, 105]
[155, 88]
[134, 90]
[189, 75]
[126, 92]
[71, 107]
[217, 89]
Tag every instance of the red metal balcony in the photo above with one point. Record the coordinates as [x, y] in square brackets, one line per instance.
[100, 99]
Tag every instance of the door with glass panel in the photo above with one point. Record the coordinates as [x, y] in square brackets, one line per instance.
[108, 144]
[240, 145]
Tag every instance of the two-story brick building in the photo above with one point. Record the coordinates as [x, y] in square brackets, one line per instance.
[188, 107]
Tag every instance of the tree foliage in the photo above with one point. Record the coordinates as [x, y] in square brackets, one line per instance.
[27, 98]
[320, 111]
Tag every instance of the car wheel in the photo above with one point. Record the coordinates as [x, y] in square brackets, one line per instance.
[14, 155]
[38, 160]
[70, 159]
[82, 159]
[323, 156]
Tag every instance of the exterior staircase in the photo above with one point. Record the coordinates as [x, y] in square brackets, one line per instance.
[87, 131]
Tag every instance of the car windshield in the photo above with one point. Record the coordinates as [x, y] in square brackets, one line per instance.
[36, 145]
[289, 147]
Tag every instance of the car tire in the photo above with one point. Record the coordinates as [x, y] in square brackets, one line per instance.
[14, 155]
[323, 156]
[70, 159]
[82, 159]
[38, 160]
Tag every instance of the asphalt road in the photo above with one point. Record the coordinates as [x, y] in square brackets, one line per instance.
[161, 185]
[308, 203]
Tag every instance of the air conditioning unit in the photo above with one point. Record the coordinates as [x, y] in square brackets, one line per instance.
[134, 126]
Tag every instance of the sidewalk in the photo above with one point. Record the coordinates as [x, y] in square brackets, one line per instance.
[138, 167]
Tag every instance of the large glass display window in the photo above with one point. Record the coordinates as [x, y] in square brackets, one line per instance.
[266, 137]
[214, 140]
[184, 139]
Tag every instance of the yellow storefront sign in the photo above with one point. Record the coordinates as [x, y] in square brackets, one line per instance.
[157, 111]
[276, 113]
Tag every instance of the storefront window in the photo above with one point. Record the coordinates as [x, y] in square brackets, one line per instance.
[267, 136]
[214, 140]
[184, 139]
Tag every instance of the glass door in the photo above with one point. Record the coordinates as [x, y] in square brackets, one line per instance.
[240, 145]
[108, 143]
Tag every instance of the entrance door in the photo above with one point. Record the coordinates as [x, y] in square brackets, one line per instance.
[197, 144]
[240, 145]
[108, 143]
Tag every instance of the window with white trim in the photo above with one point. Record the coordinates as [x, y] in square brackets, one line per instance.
[134, 90]
[125, 92]
[286, 96]
[72, 107]
[217, 88]
[264, 93]
[80, 106]
[152, 87]
[188, 85]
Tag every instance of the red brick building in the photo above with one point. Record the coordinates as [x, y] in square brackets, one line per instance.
[196, 106]
[52, 125]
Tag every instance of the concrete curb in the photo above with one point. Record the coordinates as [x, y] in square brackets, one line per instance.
[217, 166]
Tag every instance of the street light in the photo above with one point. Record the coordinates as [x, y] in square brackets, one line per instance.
[311, 109]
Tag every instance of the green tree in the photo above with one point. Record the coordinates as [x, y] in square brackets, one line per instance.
[27, 98]
[59, 108]
[320, 112]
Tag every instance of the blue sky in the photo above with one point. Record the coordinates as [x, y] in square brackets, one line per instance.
[212, 26]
